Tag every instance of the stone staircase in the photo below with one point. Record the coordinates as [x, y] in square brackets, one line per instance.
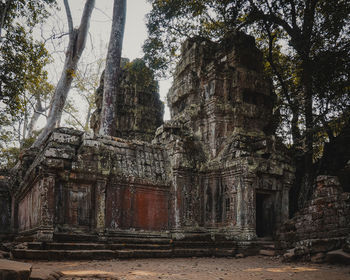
[204, 245]
[267, 247]
[71, 247]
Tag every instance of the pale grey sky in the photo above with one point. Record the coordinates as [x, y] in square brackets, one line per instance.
[134, 36]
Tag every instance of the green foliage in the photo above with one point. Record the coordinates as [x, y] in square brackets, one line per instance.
[22, 66]
[172, 21]
[32, 12]
[21, 57]
[9, 155]
[306, 49]
[23, 78]
[139, 75]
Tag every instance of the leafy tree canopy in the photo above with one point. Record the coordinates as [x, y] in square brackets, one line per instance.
[23, 78]
[171, 21]
[22, 59]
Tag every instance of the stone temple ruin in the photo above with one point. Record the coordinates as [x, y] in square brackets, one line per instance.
[208, 182]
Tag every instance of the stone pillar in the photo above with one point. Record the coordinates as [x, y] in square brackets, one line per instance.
[100, 207]
[285, 204]
[47, 189]
[14, 214]
[246, 209]
[176, 203]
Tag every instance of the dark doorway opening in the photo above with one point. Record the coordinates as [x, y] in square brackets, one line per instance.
[264, 215]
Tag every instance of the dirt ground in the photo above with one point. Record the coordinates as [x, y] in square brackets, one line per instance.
[250, 268]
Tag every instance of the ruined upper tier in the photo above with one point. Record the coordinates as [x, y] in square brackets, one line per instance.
[220, 89]
[139, 110]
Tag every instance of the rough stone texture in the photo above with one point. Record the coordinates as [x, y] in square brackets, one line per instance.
[139, 110]
[44, 274]
[323, 225]
[346, 246]
[215, 174]
[10, 270]
[338, 256]
[5, 206]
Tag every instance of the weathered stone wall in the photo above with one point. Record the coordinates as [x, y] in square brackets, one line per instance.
[321, 226]
[5, 205]
[85, 183]
[139, 109]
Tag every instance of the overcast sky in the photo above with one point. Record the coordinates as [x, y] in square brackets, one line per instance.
[134, 35]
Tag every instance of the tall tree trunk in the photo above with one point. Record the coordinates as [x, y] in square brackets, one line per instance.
[112, 70]
[4, 9]
[77, 41]
[24, 128]
[88, 117]
[308, 180]
[38, 110]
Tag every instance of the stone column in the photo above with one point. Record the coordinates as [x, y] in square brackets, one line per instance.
[47, 189]
[285, 204]
[246, 209]
[14, 214]
[100, 207]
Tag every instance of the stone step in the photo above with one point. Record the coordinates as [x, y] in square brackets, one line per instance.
[64, 254]
[79, 238]
[139, 246]
[88, 254]
[338, 256]
[268, 246]
[269, 253]
[203, 252]
[65, 246]
[132, 240]
[124, 238]
[201, 244]
[11, 270]
[192, 252]
[93, 246]
[120, 254]
[144, 253]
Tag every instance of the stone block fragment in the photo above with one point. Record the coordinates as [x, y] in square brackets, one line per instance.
[338, 256]
[11, 270]
[269, 253]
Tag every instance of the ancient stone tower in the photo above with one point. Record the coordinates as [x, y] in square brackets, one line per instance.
[139, 110]
[214, 172]
[229, 175]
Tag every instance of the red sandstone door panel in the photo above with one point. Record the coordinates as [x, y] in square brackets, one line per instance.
[136, 207]
[75, 206]
[151, 209]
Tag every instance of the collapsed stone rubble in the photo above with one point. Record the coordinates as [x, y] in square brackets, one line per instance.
[319, 231]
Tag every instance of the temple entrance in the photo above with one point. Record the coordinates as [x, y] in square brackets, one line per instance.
[264, 215]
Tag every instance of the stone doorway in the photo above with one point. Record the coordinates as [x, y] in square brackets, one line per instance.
[264, 214]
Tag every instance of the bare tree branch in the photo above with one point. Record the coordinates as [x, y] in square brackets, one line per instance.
[76, 45]
[69, 16]
[3, 16]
